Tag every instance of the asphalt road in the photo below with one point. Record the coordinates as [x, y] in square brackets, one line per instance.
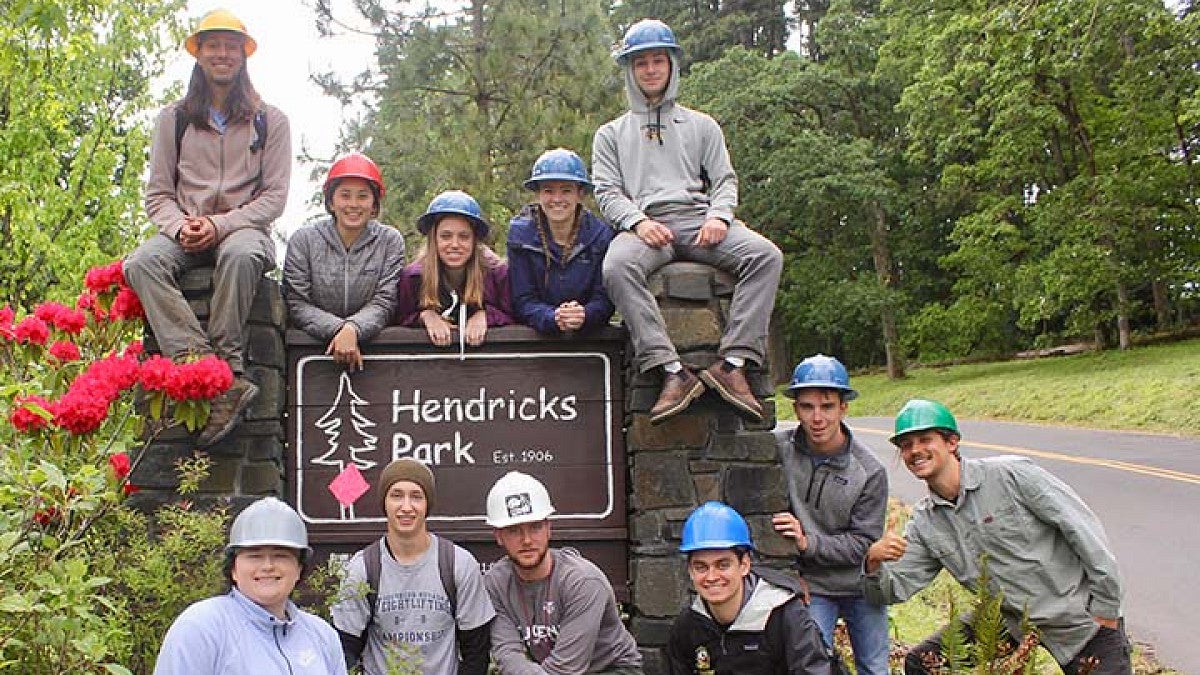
[1144, 487]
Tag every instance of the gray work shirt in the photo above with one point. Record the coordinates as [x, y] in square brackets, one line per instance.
[1046, 551]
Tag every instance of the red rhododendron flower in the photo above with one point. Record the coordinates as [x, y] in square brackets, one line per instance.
[65, 351]
[25, 419]
[120, 465]
[47, 311]
[130, 488]
[200, 380]
[156, 373]
[46, 516]
[6, 318]
[126, 306]
[134, 349]
[119, 372]
[32, 330]
[80, 412]
[102, 278]
[70, 321]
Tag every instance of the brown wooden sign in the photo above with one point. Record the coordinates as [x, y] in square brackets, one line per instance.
[551, 409]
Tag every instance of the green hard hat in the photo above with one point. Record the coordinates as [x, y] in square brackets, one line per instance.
[919, 414]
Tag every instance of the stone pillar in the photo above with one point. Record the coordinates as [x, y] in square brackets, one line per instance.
[248, 463]
[707, 452]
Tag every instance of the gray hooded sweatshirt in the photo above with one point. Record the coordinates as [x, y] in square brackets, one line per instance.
[665, 162]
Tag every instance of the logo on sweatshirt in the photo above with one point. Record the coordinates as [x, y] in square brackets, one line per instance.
[703, 662]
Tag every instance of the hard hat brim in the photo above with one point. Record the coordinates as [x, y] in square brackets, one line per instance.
[192, 43]
[795, 389]
[533, 183]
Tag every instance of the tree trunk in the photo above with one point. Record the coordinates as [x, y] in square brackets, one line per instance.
[1124, 333]
[1162, 306]
[883, 271]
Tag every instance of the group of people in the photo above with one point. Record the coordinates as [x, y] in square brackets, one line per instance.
[542, 610]
[219, 170]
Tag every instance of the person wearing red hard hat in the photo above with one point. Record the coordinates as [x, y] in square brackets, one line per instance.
[339, 277]
[220, 165]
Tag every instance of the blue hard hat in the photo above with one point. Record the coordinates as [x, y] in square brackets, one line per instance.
[646, 34]
[821, 372]
[715, 526]
[558, 164]
[454, 202]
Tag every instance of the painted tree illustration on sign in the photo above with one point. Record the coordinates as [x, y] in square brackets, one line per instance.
[347, 444]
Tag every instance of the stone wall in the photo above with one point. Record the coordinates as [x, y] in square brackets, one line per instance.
[707, 452]
[248, 463]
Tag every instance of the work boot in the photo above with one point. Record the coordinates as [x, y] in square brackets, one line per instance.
[730, 382]
[678, 392]
[226, 411]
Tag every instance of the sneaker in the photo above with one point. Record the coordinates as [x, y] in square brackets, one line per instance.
[678, 392]
[226, 411]
[730, 382]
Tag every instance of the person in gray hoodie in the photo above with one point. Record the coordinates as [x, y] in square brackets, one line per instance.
[664, 179]
[340, 274]
[838, 495]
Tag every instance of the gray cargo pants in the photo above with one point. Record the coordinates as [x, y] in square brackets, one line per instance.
[154, 270]
[751, 258]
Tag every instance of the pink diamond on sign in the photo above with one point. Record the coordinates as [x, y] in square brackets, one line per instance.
[349, 486]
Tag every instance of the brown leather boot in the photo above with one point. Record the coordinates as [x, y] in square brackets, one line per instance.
[678, 392]
[731, 384]
[226, 411]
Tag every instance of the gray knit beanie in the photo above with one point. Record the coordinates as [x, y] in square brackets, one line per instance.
[411, 470]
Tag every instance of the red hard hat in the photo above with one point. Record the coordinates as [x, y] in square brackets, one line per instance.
[355, 165]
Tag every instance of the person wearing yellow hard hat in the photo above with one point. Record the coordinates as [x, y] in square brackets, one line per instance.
[220, 165]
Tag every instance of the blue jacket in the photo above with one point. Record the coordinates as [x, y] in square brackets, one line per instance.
[535, 296]
[231, 635]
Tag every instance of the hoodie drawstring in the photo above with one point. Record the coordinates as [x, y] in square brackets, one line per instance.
[658, 123]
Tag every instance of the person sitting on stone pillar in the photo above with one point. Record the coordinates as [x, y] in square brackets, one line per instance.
[556, 612]
[220, 164]
[664, 179]
[744, 620]
[340, 274]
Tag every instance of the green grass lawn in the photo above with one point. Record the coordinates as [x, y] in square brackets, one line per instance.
[1152, 388]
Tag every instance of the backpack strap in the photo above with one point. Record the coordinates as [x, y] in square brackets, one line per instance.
[371, 559]
[446, 572]
[256, 146]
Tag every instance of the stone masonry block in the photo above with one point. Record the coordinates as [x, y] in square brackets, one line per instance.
[156, 470]
[268, 304]
[692, 328]
[196, 281]
[272, 394]
[694, 283]
[708, 487]
[661, 479]
[259, 478]
[755, 489]
[646, 527]
[768, 542]
[650, 632]
[753, 446]
[199, 307]
[654, 660]
[680, 431]
[658, 586]
[222, 477]
[260, 449]
[264, 346]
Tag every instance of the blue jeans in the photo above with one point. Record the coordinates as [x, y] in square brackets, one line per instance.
[868, 624]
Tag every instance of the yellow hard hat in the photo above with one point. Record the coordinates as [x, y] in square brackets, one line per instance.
[219, 19]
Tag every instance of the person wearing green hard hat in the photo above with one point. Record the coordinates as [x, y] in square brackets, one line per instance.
[744, 620]
[1046, 551]
[837, 493]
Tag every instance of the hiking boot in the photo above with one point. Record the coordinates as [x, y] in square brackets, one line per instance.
[678, 392]
[226, 411]
[730, 382]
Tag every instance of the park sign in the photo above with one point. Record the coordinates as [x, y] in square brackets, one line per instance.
[548, 408]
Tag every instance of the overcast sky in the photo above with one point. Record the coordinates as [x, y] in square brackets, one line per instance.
[289, 50]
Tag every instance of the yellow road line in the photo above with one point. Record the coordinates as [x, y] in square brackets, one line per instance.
[1169, 474]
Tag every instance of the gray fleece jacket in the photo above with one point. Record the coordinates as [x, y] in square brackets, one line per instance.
[841, 502]
[326, 285]
[665, 162]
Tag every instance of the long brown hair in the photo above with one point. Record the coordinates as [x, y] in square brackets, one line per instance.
[241, 104]
[431, 267]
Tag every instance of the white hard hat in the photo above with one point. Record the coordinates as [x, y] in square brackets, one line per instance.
[517, 498]
[269, 522]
